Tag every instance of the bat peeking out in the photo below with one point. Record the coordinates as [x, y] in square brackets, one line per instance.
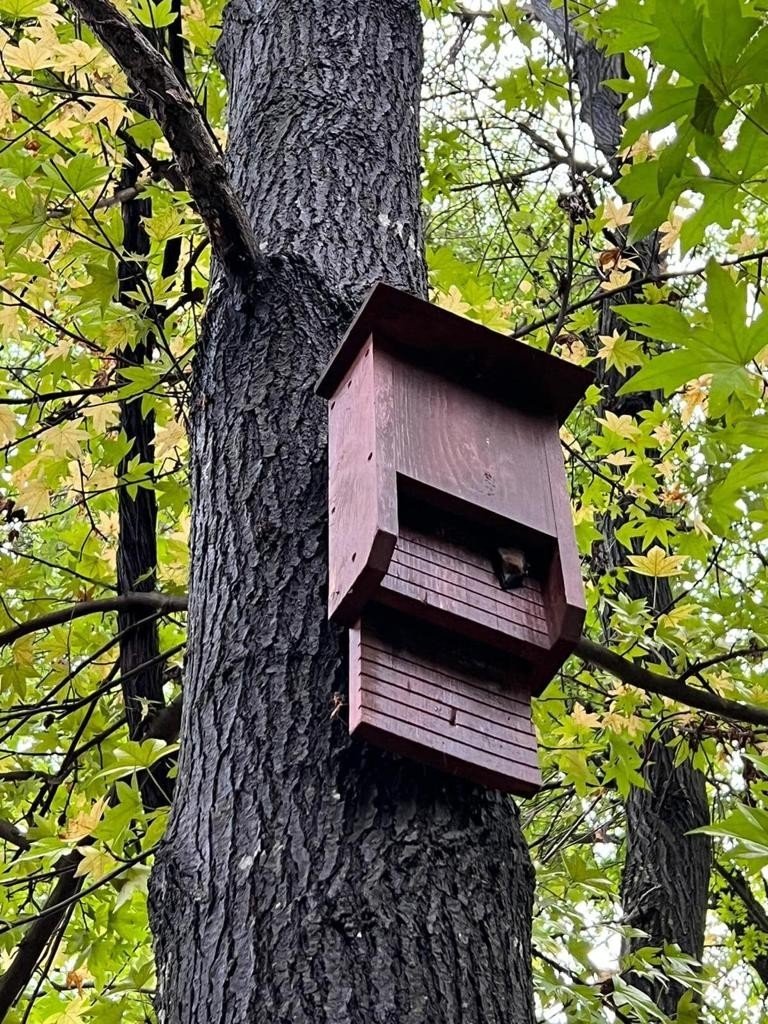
[511, 567]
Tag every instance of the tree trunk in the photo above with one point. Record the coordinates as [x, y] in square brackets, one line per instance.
[306, 878]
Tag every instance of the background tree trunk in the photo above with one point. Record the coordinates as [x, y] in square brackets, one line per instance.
[665, 881]
[305, 878]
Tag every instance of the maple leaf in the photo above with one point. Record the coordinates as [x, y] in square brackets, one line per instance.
[657, 563]
[581, 716]
[663, 434]
[452, 301]
[616, 215]
[619, 352]
[107, 109]
[623, 426]
[85, 822]
[747, 243]
[616, 280]
[96, 863]
[670, 231]
[7, 424]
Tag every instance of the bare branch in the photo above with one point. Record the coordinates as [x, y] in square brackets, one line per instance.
[164, 603]
[198, 155]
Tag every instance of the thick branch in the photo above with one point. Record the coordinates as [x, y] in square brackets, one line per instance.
[164, 603]
[667, 686]
[198, 154]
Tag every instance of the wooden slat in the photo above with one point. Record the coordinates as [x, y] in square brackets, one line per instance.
[402, 738]
[466, 720]
[514, 700]
[470, 563]
[516, 732]
[451, 610]
[479, 593]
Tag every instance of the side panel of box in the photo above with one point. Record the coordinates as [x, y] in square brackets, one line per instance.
[362, 493]
[423, 706]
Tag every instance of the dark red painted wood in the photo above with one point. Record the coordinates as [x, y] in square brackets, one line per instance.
[422, 333]
[415, 705]
[362, 496]
[444, 447]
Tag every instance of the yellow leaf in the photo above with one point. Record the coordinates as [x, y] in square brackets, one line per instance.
[170, 438]
[657, 563]
[581, 716]
[747, 243]
[616, 280]
[74, 55]
[616, 215]
[28, 56]
[676, 616]
[670, 231]
[24, 652]
[619, 459]
[6, 109]
[95, 863]
[619, 352]
[102, 415]
[452, 301]
[107, 109]
[663, 434]
[65, 440]
[7, 424]
[623, 723]
[695, 398]
[85, 822]
[71, 1012]
[624, 426]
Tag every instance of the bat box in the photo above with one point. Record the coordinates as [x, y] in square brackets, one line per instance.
[452, 557]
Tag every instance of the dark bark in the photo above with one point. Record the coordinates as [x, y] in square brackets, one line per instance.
[665, 883]
[306, 879]
[137, 514]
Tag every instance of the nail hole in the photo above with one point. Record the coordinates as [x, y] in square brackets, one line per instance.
[370, 456]
[349, 383]
[354, 556]
[333, 510]
[333, 404]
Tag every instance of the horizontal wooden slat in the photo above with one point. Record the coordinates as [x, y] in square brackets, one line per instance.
[489, 589]
[464, 719]
[454, 680]
[452, 606]
[518, 733]
[468, 698]
[470, 563]
[466, 741]
[403, 738]
[477, 594]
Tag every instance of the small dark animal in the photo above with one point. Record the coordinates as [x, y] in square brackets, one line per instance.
[511, 567]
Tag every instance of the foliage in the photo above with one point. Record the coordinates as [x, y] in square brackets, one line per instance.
[530, 231]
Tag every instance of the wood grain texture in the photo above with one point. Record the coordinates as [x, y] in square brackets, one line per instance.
[485, 360]
[415, 704]
[362, 496]
[470, 446]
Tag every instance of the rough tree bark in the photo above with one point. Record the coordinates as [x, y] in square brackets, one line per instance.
[305, 879]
